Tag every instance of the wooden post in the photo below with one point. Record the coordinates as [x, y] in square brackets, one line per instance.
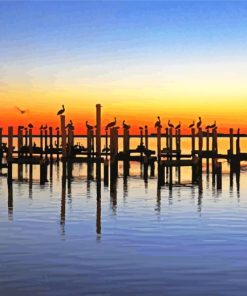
[30, 134]
[106, 172]
[70, 141]
[238, 143]
[141, 136]
[46, 144]
[178, 143]
[20, 140]
[63, 131]
[126, 141]
[159, 142]
[214, 141]
[170, 142]
[146, 136]
[231, 141]
[10, 153]
[89, 142]
[167, 137]
[200, 140]
[98, 131]
[51, 143]
[58, 144]
[219, 175]
[41, 138]
[193, 141]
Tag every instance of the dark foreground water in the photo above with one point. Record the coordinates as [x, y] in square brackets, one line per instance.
[130, 240]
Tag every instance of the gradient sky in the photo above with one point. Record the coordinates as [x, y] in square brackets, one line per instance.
[175, 59]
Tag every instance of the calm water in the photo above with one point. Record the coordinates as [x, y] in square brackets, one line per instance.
[130, 240]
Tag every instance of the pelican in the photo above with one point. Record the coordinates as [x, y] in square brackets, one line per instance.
[157, 123]
[170, 124]
[208, 127]
[126, 125]
[199, 123]
[57, 128]
[45, 127]
[41, 127]
[213, 125]
[30, 125]
[178, 126]
[111, 124]
[61, 111]
[88, 125]
[70, 125]
[192, 124]
[21, 110]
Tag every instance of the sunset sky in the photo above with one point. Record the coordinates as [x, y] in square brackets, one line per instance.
[179, 60]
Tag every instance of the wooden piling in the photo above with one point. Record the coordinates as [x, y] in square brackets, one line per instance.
[170, 142]
[30, 135]
[126, 141]
[159, 142]
[63, 131]
[10, 153]
[51, 143]
[193, 141]
[238, 144]
[200, 141]
[98, 131]
[231, 141]
[146, 136]
[215, 141]
[58, 144]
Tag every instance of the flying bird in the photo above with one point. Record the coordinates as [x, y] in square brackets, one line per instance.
[61, 111]
[21, 110]
[111, 124]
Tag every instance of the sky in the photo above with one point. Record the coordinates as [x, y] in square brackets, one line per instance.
[175, 59]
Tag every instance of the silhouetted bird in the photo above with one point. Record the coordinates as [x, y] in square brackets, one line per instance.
[70, 125]
[192, 124]
[20, 127]
[57, 128]
[208, 127]
[157, 123]
[21, 110]
[199, 123]
[45, 127]
[30, 125]
[89, 126]
[41, 127]
[126, 125]
[111, 124]
[213, 125]
[178, 126]
[61, 111]
[170, 124]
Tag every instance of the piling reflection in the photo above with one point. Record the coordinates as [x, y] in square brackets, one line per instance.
[10, 202]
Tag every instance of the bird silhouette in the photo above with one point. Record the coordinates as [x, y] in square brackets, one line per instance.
[21, 110]
[178, 126]
[192, 124]
[213, 125]
[157, 123]
[126, 125]
[170, 124]
[41, 127]
[70, 125]
[57, 128]
[208, 127]
[199, 123]
[111, 124]
[61, 111]
[30, 125]
[88, 125]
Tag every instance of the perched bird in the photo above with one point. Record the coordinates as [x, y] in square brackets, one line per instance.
[199, 123]
[70, 125]
[30, 125]
[111, 124]
[57, 128]
[21, 110]
[208, 127]
[157, 123]
[192, 124]
[88, 125]
[178, 126]
[41, 127]
[45, 127]
[126, 125]
[213, 125]
[170, 124]
[61, 111]
[20, 127]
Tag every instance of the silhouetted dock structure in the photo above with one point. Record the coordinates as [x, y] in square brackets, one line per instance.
[60, 147]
